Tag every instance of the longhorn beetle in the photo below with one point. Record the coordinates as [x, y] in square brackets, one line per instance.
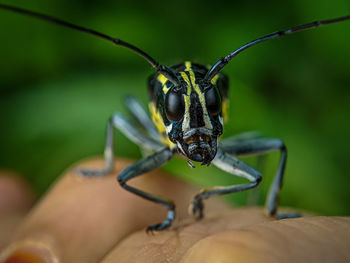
[188, 107]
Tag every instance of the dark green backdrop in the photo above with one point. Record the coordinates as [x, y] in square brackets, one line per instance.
[58, 87]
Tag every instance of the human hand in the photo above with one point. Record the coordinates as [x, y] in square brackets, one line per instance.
[94, 220]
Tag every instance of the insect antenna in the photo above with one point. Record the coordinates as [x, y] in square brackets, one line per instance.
[222, 62]
[164, 70]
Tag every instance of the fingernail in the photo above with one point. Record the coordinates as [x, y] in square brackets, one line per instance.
[28, 255]
[24, 257]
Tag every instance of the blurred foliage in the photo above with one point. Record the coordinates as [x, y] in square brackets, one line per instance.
[58, 87]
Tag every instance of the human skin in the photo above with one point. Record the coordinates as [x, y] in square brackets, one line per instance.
[93, 219]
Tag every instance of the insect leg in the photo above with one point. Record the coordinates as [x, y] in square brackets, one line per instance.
[119, 122]
[254, 194]
[244, 136]
[261, 146]
[108, 154]
[141, 167]
[231, 165]
[135, 135]
[141, 116]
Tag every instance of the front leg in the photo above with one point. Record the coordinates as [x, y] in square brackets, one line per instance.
[257, 146]
[233, 166]
[141, 167]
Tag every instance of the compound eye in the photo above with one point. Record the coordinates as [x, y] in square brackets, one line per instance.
[174, 105]
[213, 101]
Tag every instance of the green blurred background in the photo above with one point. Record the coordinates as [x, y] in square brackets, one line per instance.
[58, 87]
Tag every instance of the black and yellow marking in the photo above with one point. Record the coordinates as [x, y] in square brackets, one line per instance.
[191, 75]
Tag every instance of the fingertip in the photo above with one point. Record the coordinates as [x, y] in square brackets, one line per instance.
[28, 251]
[15, 193]
[16, 198]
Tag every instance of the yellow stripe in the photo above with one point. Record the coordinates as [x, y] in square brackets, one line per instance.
[207, 122]
[186, 121]
[162, 79]
[158, 122]
[193, 78]
[213, 80]
[225, 105]
[186, 99]
[185, 77]
[188, 66]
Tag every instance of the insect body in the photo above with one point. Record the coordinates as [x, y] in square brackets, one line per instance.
[188, 105]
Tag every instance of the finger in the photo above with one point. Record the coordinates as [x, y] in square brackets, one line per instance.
[81, 218]
[311, 239]
[15, 200]
[242, 235]
[15, 193]
[172, 245]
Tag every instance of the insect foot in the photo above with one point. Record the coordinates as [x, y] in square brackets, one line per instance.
[164, 225]
[197, 207]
